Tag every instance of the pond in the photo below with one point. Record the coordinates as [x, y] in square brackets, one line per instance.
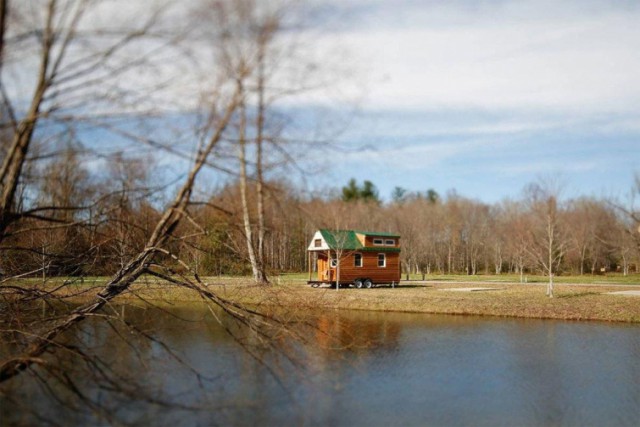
[364, 368]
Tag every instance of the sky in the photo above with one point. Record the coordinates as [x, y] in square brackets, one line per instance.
[482, 97]
[485, 97]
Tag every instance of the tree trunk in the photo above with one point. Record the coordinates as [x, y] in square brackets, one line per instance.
[551, 241]
[262, 276]
[17, 154]
[338, 262]
[4, 11]
[521, 268]
[136, 266]
[246, 219]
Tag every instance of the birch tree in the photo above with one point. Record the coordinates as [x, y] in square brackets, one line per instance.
[548, 237]
[226, 104]
[262, 39]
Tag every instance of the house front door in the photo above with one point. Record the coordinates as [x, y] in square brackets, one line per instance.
[325, 272]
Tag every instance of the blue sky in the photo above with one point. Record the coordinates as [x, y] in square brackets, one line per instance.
[482, 97]
[487, 96]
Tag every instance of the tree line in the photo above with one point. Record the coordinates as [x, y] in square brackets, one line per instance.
[449, 234]
[538, 233]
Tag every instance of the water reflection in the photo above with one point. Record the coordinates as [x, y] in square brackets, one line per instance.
[364, 369]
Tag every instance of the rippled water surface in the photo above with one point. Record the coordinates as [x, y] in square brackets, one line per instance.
[365, 369]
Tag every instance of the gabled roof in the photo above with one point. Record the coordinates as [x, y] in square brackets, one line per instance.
[341, 239]
[348, 240]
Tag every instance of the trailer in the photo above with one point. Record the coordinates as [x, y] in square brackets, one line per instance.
[361, 259]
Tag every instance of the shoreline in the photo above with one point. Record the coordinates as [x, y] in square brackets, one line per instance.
[487, 298]
[576, 302]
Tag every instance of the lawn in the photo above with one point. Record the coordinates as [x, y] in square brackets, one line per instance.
[609, 278]
[582, 301]
[571, 302]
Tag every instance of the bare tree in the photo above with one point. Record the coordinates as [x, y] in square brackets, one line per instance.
[497, 238]
[518, 231]
[548, 238]
[78, 68]
[226, 106]
[625, 245]
[137, 265]
[251, 38]
[628, 236]
[67, 76]
[632, 211]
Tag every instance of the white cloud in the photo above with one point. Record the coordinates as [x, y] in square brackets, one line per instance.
[419, 155]
[557, 55]
[548, 166]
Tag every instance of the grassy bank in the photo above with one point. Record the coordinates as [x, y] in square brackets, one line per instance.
[609, 278]
[571, 302]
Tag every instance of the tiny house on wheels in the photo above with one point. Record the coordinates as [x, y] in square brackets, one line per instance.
[366, 258]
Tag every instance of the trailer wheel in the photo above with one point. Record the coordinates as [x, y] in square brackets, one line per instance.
[368, 283]
[357, 283]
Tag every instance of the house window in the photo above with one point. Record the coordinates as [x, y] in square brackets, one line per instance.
[333, 263]
[382, 260]
[357, 260]
[378, 242]
[390, 242]
[317, 243]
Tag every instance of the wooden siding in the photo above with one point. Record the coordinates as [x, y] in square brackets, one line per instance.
[323, 268]
[368, 242]
[369, 270]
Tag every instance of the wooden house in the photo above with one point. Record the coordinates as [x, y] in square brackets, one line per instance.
[365, 258]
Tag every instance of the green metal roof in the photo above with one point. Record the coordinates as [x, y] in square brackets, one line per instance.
[341, 239]
[348, 240]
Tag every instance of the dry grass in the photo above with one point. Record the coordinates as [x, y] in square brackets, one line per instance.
[571, 302]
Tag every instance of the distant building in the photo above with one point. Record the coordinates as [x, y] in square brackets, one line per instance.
[366, 258]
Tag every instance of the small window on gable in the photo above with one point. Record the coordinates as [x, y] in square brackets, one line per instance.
[390, 242]
[382, 260]
[357, 260]
[317, 243]
[333, 263]
[378, 242]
